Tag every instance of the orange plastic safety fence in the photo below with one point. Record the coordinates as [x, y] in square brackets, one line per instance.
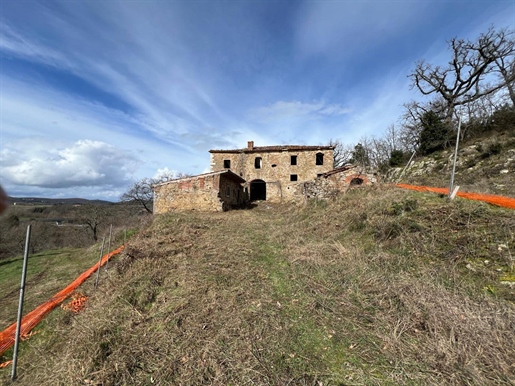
[77, 304]
[506, 202]
[5, 364]
[30, 320]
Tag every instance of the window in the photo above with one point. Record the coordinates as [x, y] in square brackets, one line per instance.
[293, 177]
[258, 162]
[228, 191]
[227, 163]
[320, 175]
[293, 160]
[320, 159]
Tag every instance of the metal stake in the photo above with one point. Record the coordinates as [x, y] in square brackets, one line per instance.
[405, 167]
[20, 305]
[100, 260]
[451, 186]
[109, 244]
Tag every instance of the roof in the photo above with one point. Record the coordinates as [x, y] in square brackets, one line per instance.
[339, 170]
[231, 175]
[264, 149]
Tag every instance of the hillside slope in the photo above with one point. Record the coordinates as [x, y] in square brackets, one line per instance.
[379, 287]
[484, 165]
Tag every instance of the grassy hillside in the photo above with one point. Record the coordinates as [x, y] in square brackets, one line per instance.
[485, 164]
[379, 287]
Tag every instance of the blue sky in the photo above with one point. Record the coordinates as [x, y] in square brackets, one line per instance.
[97, 94]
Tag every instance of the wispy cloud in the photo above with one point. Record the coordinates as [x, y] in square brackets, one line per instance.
[346, 28]
[281, 109]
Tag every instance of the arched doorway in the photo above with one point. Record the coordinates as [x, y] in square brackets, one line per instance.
[356, 181]
[257, 190]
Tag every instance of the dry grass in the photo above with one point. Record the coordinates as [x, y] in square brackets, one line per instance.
[379, 287]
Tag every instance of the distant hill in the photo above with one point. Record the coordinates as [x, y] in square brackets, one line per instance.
[55, 201]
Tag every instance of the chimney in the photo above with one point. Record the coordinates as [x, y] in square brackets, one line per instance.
[250, 145]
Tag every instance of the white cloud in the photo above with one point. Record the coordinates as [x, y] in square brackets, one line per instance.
[83, 163]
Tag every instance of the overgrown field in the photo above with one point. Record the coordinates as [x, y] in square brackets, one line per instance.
[379, 287]
[47, 273]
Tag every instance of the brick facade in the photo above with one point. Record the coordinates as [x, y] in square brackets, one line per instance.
[216, 191]
[274, 172]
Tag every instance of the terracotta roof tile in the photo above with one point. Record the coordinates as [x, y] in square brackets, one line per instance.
[260, 149]
[229, 173]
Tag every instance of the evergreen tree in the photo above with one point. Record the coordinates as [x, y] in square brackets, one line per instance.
[435, 135]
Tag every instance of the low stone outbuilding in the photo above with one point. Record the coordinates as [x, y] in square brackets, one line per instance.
[215, 191]
[336, 181]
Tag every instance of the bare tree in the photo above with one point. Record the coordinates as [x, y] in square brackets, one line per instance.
[141, 192]
[342, 153]
[93, 216]
[463, 79]
[505, 61]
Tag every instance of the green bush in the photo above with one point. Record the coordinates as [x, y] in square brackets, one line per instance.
[397, 158]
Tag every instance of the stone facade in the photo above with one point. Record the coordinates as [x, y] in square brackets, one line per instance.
[215, 191]
[334, 182]
[274, 172]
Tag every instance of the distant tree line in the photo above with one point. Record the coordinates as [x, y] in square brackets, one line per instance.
[478, 84]
[64, 226]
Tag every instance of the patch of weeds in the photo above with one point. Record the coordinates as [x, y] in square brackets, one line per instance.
[439, 166]
[493, 149]
[470, 163]
[406, 205]
[143, 292]
[359, 222]
[387, 230]
[314, 203]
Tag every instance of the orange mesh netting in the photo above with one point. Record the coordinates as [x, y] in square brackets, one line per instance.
[30, 320]
[506, 202]
[77, 304]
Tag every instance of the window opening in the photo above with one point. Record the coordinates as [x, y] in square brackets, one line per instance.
[293, 160]
[227, 163]
[258, 162]
[320, 159]
[293, 177]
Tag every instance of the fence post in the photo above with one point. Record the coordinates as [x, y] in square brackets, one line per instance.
[451, 186]
[20, 305]
[100, 260]
[109, 244]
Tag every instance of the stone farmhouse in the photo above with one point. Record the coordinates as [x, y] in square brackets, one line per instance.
[273, 172]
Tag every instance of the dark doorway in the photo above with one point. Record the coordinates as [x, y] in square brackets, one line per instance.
[356, 181]
[257, 190]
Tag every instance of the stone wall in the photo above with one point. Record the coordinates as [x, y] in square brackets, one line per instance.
[210, 192]
[275, 168]
[333, 183]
